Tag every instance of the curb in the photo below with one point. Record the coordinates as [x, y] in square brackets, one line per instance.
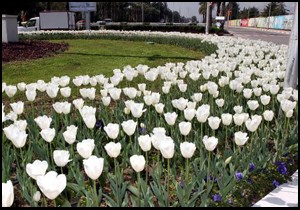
[286, 195]
[264, 29]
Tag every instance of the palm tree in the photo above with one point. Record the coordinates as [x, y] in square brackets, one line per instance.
[202, 10]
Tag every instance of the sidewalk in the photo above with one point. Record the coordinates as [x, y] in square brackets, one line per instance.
[263, 29]
[286, 195]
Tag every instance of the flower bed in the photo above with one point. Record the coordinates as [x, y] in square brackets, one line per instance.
[190, 140]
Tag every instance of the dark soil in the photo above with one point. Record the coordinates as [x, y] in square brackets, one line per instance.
[28, 49]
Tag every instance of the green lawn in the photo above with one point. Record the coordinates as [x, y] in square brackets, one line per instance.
[94, 57]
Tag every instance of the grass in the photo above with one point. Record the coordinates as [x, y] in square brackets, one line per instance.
[94, 57]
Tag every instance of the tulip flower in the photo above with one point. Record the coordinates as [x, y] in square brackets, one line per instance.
[145, 142]
[129, 127]
[30, 95]
[78, 103]
[65, 92]
[240, 138]
[113, 149]
[265, 99]
[15, 135]
[137, 162]
[238, 109]
[197, 97]
[61, 157]
[48, 134]
[238, 119]
[36, 169]
[226, 118]
[70, 134]
[185, 128]
[43, 121]
[112, 130]
[18, 107]
[289, 113]
[137, 110]
[52, 90]
[10, 90]
[167, 148]
[106, 100]
[252, 104]
[115, 93]
[210, 143]
[88, 115]
[7, 194]
[159, 108]
[220, 102]
[287, 105]
[214, 122]
[187, 149]
[170, 117]
[93, 167]
[189, 113]
[21, 86]
[52, 184]
[252, 124]
[85, 148]
[247, 93]
[268, 115]
[202, 113]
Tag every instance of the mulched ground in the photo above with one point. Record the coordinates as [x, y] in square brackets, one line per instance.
[28, 49]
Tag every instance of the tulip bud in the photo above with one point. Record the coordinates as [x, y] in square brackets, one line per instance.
[227, 161]
[7, 194]
[37, 196]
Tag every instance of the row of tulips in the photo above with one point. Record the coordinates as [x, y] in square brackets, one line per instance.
[217, 115]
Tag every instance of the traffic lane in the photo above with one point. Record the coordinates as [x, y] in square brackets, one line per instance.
[275, 37]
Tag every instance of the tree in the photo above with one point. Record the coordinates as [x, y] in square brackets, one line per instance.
[234, 8]
[277, 8]
[249, 13]
[202, 10]
[194, 19]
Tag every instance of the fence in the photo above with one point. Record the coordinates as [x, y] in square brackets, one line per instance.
[284, 22]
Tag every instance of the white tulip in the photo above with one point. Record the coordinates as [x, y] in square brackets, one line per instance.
[21, 86]
[289, 113]
[106, 100]
[252, 104]
[61, 157]
[18, 107]
[240, 138]
[112, 130]
[65, 92]
[197, 97]
[43, 121]
[7, 193]
[85, 148]
[170, 117]
[30, 95]
[159, 108]
[185, 128]
[113, 149]
[167, 148]
[220, 102]
[226, 118]
[202, 113]
[52, 90]
[129, 127]
[93, 167]
[265, 99]
[252, 124]
[137, 162]
[48, 134]
[37, 168]
[10, 90]
[52, 184]
[187, 149]
[268, 115]
[145, 142]
[189, 114]
[238, 109]
[78, 103]
[247, 93]
[214, 122]
[70, 134]
[210, 143]
[15, 135]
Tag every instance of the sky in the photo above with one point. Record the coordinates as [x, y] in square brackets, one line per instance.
[189, 9]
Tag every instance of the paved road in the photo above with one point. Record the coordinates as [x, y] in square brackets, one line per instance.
[252, 33]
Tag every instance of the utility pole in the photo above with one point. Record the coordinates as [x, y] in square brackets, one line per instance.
[207, 18]
[291, 75]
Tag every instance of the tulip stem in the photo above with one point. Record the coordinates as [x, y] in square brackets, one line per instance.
[17, 160]
[139, 187]
[208, 177]
[51, 154]
[22, 157]
[54, 203]
[187, 178]
[168, 180]
[44, 201]
[96, 195]
[146, 168]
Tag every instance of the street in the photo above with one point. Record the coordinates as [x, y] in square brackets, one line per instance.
[276, 37]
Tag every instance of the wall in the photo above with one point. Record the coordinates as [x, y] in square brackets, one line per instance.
[284, 22]
[9, 28]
